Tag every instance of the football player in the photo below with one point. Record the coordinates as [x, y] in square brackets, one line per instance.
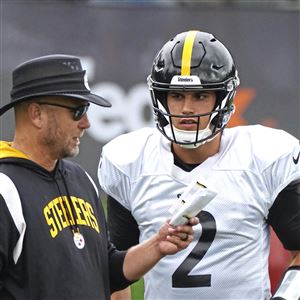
[253, 170]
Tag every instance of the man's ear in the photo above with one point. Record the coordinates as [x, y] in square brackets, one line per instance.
[36, 114]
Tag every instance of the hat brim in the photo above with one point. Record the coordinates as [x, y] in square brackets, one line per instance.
[92, 98]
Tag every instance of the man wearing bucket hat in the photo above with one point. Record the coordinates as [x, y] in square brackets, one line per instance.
[53, 235]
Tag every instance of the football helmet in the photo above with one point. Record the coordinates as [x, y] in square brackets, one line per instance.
[193, 61]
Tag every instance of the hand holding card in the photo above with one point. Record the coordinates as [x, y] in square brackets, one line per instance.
[190, 203]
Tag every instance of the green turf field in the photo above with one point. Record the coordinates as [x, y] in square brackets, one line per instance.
[137, 290]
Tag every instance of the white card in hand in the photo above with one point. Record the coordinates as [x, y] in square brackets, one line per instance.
[190, 203]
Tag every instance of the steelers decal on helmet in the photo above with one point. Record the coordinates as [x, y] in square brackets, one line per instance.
[186, 61]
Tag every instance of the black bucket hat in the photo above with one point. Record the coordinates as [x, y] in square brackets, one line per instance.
[51, 75]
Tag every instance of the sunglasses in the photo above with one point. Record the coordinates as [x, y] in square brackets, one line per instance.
[78, 111]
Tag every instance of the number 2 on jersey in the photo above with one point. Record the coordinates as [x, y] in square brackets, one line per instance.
[180, 278]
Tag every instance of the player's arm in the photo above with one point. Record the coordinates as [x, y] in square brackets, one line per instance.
[123, 228]
[284, 217]
[124, 233]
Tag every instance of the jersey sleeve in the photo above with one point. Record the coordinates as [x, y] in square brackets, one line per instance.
[12, 223]
[122, 163]
[283, 182]
[8, 238]
[113, 181]
[283, 169]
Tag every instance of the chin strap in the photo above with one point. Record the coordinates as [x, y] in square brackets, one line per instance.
[289, 288]
[188, 138]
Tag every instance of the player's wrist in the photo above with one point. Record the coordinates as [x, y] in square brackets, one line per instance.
[289, 285]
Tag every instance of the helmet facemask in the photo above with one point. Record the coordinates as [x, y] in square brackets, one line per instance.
[218, 119]
[211, 68]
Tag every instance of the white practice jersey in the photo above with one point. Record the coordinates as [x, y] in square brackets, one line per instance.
[228, 258]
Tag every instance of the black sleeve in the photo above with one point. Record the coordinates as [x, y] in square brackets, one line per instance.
[284, 216]
[117, 279]
[123, 229]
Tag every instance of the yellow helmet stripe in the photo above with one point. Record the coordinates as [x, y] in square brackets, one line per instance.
[187, 53]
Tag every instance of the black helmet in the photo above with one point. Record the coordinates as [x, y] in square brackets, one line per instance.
[193, 61]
